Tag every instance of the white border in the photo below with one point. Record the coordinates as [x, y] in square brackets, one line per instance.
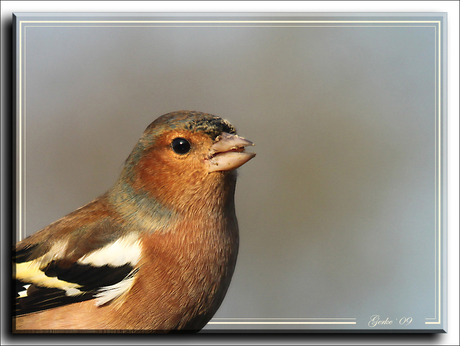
[439, 236]
[451, 7]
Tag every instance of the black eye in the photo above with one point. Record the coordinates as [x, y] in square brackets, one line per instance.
[180, 145]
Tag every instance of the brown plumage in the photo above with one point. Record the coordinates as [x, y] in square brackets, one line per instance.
[156, 252]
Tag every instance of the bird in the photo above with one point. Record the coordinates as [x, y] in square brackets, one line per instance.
[155, 253]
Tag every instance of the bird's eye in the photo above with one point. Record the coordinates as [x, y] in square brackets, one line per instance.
[180, 146]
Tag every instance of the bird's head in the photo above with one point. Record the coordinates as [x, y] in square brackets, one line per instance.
[186, 157]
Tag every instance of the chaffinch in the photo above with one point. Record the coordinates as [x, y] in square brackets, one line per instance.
[154, 253]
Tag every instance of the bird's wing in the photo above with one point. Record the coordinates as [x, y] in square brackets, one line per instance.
[61, 266]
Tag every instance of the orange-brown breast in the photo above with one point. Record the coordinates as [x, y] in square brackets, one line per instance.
[182, 279]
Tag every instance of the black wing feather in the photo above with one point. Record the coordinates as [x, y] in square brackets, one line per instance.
[40, 298]
[24, 254]
[90, 278]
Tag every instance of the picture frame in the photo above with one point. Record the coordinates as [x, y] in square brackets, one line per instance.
[367, 136]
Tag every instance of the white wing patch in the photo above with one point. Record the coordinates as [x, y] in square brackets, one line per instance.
[126, 250]
[109, 293]
[122, 251]
[23, 294]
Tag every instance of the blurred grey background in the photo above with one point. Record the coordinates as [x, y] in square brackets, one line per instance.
[337, 212]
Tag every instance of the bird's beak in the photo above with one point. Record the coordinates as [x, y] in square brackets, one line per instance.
[228, 153]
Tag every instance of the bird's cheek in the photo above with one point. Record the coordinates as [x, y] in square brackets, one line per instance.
[167, 179]
[149, 173]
